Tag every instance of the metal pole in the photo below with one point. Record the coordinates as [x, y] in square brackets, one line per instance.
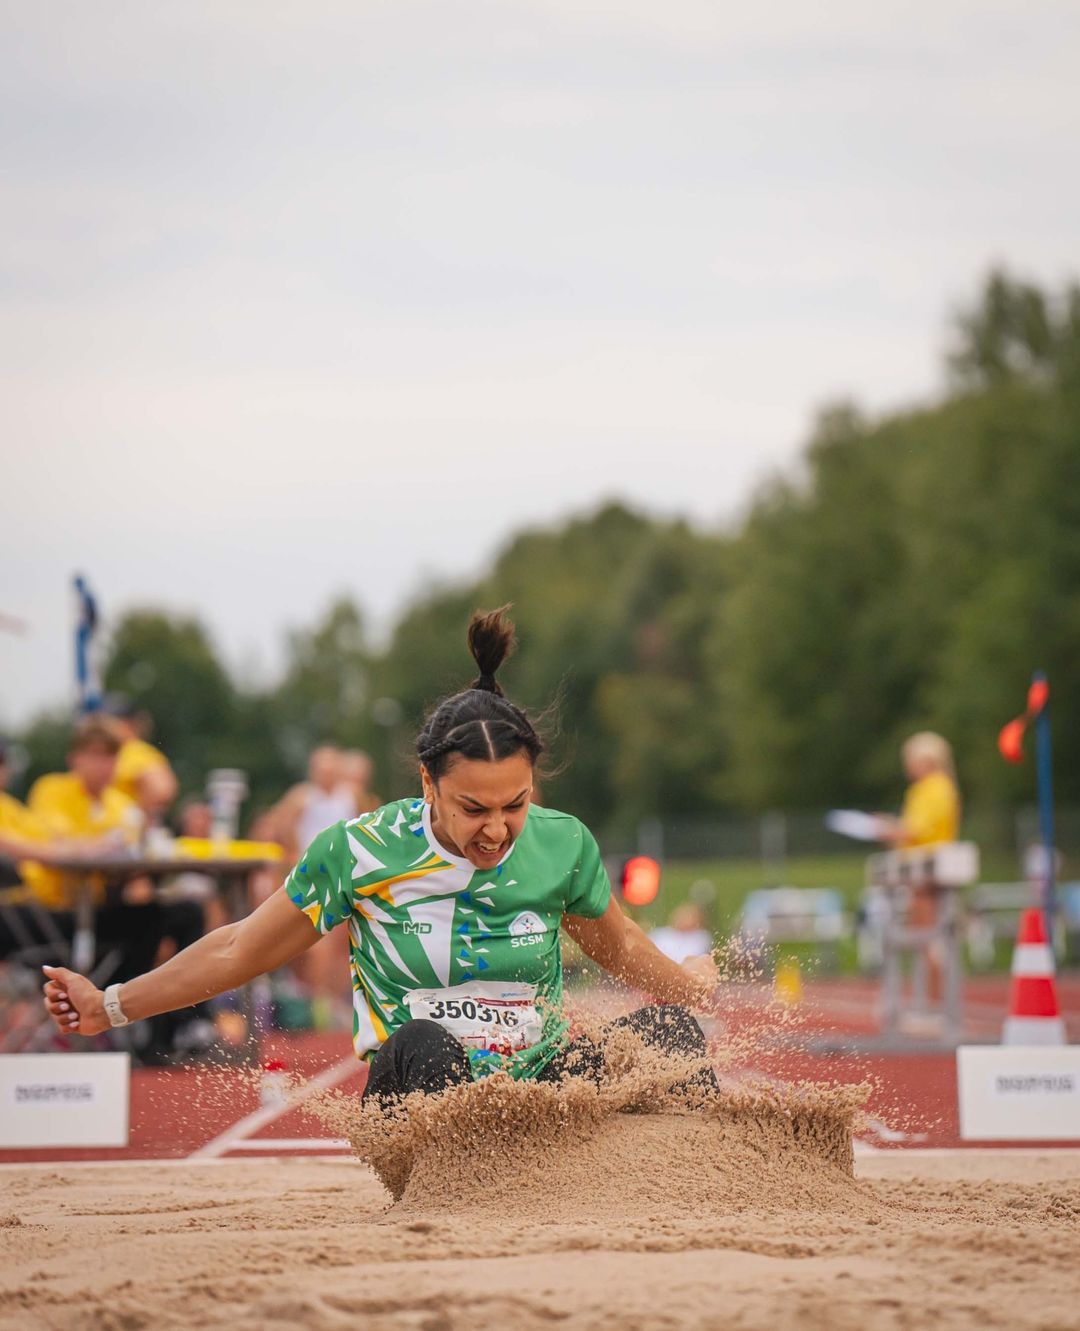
[1044, 774]
[87, 685]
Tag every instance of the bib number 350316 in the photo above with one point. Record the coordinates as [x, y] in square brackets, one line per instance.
[499, 1018]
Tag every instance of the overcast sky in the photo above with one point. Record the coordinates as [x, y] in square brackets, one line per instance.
[309, 297]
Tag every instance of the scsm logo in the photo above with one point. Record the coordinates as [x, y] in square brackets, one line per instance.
[527, 929]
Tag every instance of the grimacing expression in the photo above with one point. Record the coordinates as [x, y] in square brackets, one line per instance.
[479, 808]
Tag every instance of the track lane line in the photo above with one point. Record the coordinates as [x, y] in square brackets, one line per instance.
[266, 1114]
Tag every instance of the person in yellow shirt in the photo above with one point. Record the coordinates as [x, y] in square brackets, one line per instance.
[20, 832]
[23, 835]
[81, 804]
[931, 808]
[71, 814]
[930, 814]
[143, 773]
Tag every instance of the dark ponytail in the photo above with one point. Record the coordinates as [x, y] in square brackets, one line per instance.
[491, 641]
[480, 723]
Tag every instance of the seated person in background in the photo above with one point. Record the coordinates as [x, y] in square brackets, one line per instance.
[20, 831]
[23, 835]
[82, 804]
[143, 773]
[195, 820]
[684, 935]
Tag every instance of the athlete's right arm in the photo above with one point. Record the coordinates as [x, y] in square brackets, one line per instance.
[224, 959]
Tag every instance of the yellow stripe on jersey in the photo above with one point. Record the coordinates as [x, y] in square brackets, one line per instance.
[368, 831]
[382, 888]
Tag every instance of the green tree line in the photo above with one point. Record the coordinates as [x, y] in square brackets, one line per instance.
[911, 576]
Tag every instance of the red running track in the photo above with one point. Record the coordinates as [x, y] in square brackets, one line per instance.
[176, 1113]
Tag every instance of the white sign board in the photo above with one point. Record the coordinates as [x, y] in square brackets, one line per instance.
[64, 1099]
[1019, 1092]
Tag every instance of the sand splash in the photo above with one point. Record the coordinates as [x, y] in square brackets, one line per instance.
[637, 1144]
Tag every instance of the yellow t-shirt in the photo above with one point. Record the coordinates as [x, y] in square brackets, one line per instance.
[17, 820]
[931, 811]
[134, 759]
[63, 806]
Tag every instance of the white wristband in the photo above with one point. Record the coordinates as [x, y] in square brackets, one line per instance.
[113, 1010]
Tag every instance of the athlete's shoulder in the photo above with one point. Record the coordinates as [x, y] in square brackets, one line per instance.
[389, 834]
[555, 825]
[414, 803]
[397, 816]
[546, 814]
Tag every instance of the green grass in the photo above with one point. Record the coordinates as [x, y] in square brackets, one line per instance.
[734, 880]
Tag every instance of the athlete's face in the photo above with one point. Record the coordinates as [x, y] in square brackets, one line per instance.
[479, 808]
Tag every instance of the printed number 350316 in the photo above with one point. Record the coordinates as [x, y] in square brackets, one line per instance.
[452, 1007]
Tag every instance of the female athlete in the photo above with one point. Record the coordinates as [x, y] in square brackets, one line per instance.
[454, 903]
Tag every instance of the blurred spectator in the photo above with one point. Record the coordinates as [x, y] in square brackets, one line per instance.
[332, 793]
[82, 803]
[80, 808]
[196, 818]
[311, 806]
[143, 773]
[196, 821]
[930, 814]
[684, 935]
[931, 808]
[357, 775]
[20, 831]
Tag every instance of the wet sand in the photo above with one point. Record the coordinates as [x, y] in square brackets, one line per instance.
[976, 1239]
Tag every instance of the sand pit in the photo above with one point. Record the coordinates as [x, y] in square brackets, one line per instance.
[637, 1203]
[986, 1240]
[508, 1152]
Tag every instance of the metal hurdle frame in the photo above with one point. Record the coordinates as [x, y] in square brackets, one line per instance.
[945, 869]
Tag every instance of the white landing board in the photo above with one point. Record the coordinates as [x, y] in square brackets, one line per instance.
[1019, 1092]
[64, 1100]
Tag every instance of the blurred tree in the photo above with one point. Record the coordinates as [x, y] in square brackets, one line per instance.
[168, 666]
[1014, 329]
[910, 576]
[325, 694]
[44, 744]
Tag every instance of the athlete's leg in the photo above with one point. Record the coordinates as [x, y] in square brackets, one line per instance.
[419, 1056]
[672, 1030]
[580, 1058]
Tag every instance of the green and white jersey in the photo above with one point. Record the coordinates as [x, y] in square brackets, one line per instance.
[422, 922]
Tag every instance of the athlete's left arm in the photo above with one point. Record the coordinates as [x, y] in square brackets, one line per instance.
[618, 944]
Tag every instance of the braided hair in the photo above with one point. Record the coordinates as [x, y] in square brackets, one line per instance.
[480, 722]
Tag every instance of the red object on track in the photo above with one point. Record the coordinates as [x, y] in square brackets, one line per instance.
[1034, 1015]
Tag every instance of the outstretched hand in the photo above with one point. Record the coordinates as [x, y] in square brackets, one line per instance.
[704, 971]
[76, 1006]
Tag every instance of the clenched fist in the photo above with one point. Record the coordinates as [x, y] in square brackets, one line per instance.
[75, 1004]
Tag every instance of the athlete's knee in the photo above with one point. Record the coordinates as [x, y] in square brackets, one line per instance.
[670, 1027]
[423, 1036]
[419, 1056]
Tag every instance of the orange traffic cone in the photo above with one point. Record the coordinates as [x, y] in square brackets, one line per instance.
[1034, 1016]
